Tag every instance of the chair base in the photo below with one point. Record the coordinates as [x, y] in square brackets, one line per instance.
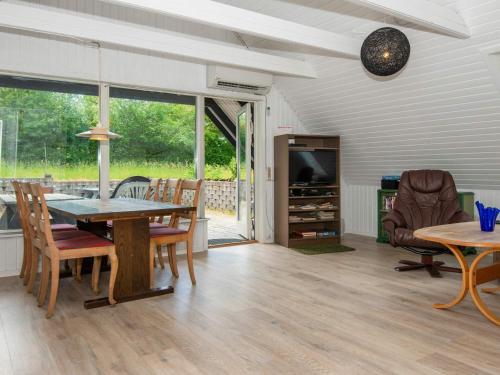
[428, 263]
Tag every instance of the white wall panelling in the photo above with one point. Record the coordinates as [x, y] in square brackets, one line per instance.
[280, 119]
[11, 254]
[442, 111]
[421, 12]
[360, 206]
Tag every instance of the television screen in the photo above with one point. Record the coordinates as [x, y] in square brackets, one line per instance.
[318, 167]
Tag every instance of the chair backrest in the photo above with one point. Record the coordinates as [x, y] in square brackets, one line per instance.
[189, 194]
[171, 189]
[40, 220]
[23, 208]
[132, 187]
[170, 194]
[153, 191]
[427, 198]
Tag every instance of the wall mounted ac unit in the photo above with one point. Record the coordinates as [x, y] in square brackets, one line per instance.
[224, 78]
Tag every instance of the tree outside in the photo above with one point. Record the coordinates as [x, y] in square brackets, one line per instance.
[158, 139]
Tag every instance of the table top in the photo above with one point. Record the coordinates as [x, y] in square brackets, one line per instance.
[461, 234]
[114, 209]
[10, 199]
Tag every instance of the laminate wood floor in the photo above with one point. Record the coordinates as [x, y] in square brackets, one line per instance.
[259, 309]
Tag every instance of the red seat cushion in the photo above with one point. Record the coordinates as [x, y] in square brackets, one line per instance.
[89, 240]
[156, 225]
[62, 227]
[165, 231]
[66, 234]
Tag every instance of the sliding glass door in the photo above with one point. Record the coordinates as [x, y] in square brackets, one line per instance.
[244, 183]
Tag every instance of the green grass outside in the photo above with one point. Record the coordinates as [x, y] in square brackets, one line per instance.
[117, 171]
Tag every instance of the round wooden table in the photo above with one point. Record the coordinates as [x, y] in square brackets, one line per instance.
[469, 234]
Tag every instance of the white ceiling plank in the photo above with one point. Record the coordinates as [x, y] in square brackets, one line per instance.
[423, 13]
[49, 21]
[248, 22]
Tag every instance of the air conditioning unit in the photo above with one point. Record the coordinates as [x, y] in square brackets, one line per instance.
[224, 78]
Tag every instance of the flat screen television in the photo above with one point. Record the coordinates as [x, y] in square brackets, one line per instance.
[314, 167]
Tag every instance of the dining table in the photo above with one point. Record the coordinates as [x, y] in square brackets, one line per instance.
[9, 219]
[130, 233]
[469, 234]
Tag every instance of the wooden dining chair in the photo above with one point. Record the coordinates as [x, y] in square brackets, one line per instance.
[171, 234]
[153, 191]
[23, 218]
[54, 250]
[169, 194]
[30, 256]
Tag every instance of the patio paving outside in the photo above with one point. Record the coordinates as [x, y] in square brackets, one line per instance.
[222, 228]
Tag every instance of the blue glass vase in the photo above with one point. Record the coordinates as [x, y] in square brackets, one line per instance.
[487, 217]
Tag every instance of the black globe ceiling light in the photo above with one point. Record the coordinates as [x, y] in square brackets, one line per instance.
[385, 51]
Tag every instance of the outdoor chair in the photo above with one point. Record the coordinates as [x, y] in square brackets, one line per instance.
[171, 234]
[152, 193]
[132, 187]
[54, 250]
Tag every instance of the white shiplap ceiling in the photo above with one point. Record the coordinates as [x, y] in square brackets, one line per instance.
[442, 111]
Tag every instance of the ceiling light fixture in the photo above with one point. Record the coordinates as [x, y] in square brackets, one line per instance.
[385, 51]
[99, 132]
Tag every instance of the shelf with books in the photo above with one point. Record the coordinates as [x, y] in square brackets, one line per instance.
[318, 187]
[385, 202]
[306, 207]
[312, 210]
[313, 196]
[313, 221]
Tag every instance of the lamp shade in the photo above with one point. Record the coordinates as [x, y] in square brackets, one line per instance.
[98, 133]
[385, 51]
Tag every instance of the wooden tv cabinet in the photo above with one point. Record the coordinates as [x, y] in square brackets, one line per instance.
[290, 200]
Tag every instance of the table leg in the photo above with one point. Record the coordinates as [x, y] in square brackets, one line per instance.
[480, 276]
[465, 279]
[131, 238]
[496, 259]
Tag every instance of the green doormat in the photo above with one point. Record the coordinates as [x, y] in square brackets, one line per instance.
[314, 249]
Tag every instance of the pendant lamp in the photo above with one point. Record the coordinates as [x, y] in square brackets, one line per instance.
[385, 51]
[99, 132]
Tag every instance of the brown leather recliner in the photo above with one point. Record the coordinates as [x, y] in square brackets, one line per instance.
[425, 198]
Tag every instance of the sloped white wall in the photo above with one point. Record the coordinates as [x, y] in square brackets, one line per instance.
[280, 119]
[442, 111]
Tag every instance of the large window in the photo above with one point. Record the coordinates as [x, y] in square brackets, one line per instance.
[38, 123]
[158, 134]
[39, 120]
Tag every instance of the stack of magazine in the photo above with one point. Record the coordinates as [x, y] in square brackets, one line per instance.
[326, 215]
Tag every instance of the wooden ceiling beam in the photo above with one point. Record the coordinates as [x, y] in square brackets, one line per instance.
[423, 13]
[248, 22]
[46, 20]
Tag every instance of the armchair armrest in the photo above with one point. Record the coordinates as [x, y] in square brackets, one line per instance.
[395, 217]
[392, 221]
